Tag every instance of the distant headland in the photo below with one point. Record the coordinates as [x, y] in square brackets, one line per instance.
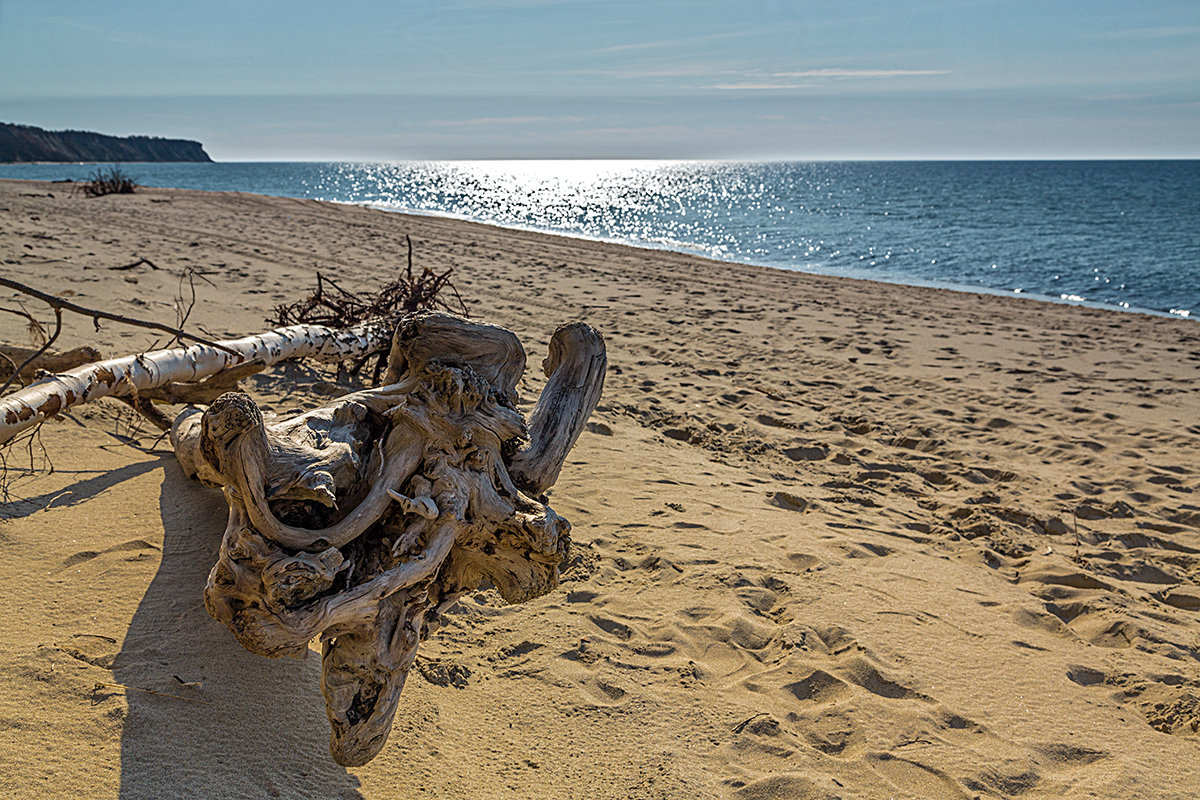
[24, 143]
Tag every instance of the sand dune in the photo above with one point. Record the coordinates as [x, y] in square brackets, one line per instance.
[833, 538]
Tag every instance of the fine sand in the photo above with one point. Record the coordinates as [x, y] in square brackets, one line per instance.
[833, 538]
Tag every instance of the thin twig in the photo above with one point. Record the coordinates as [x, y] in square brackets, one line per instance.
[741, 726]
[102, 684]
[137, 263]
[182, 314]
[43, 349]
[37, 331]
[52, 499]
[11, 363]
[97, 315]
[22, 313]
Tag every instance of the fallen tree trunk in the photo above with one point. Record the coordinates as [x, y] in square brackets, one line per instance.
[363, 521]
[35, 361]
[140, 375]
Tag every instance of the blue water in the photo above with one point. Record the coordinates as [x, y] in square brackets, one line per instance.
[1121, 234]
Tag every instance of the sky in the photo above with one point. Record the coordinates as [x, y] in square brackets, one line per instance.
[747, 79]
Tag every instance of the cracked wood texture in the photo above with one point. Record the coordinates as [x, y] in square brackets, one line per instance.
[363, 521]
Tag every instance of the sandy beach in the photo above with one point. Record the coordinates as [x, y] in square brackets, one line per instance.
[833, 538]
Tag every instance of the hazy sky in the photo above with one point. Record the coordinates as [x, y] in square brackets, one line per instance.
[300, 80]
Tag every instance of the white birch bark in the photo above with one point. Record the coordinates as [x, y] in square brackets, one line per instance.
[128, 375]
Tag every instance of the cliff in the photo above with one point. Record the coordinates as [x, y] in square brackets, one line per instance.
[27, 143]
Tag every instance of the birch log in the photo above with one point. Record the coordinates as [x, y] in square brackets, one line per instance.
[363, 521]
[130, 376]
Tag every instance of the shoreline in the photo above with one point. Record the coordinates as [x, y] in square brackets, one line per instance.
[696, 252]
[851, 273]
[832, 537]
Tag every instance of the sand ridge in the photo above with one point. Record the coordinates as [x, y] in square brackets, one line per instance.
[834, 538]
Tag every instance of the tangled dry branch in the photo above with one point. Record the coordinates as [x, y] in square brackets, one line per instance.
[337, 307]
[333, 306]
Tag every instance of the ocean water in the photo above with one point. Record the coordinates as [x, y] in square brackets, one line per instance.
[1118, 234]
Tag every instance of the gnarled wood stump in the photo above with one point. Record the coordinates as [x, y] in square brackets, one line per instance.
[362, 521]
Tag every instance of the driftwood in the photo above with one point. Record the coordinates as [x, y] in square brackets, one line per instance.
[363, 521]
[162, 374]
[34, 361]
[331, 304]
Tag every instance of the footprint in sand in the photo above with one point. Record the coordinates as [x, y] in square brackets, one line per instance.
[818, 687]
[789, 501]
[612, 627]
[807, 453]
[805, 562]
[1169, 703]
[604, 692]
[916, 778]
[863, 673]
[598, 428]
[783, 784]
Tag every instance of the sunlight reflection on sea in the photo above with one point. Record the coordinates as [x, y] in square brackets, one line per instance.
[1120, 234]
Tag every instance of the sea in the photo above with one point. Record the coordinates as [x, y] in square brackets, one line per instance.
[1113, 234]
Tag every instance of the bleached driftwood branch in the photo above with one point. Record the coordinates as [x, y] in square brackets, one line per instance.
[141, 375]
[363, 521]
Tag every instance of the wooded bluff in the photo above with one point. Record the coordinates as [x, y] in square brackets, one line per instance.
[22, 143]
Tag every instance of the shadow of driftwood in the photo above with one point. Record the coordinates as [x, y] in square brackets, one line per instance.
[78, 491]
[239, 725]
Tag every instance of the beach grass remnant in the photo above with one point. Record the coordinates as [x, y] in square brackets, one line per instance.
[108, 181]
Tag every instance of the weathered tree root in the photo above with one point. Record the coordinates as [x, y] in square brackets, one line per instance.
[361, 522]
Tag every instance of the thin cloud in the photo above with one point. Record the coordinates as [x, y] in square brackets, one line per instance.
[730, 75]
[1163, 32]
[1116, 97]
[486, 121]
[788, 80]
[834, 72]
[665, 44]
[749, 85]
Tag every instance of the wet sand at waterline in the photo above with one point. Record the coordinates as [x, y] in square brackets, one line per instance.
[833, 538]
